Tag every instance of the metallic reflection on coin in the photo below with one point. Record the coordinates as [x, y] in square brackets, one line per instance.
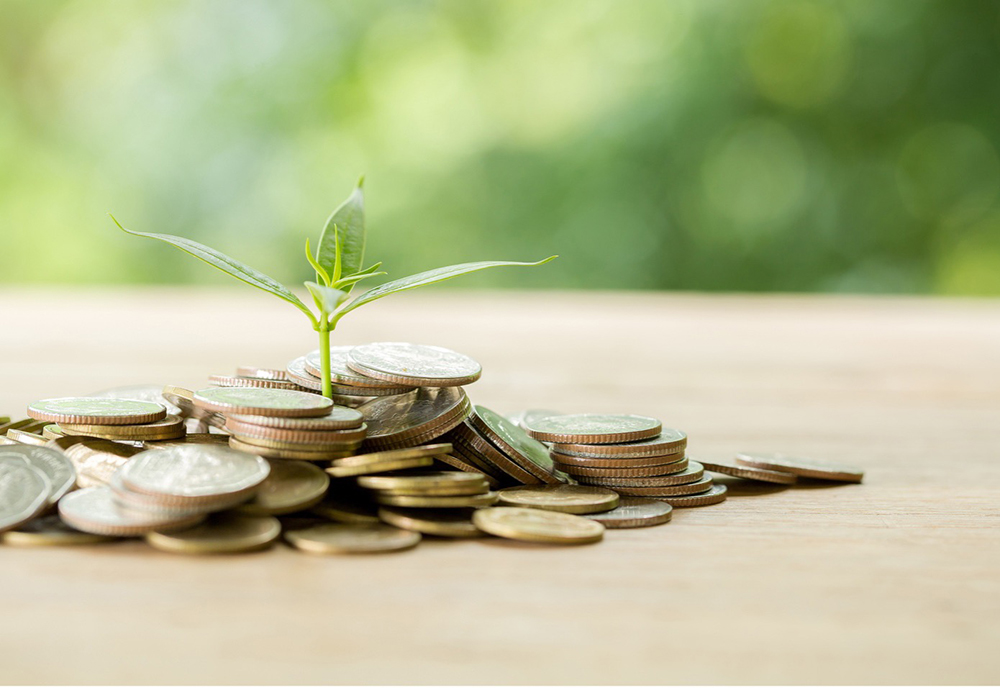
[224, 533]
[635, 512]
[50, 531]
[104, 411]
[802, 467]
[54, 464]
[538, 525]
[595, 428]
[264, 402]
[570, 499]
[24, 492]
[748, 472]
[414, 364]
[346, 538]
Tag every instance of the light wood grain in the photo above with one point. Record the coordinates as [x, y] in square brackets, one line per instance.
[895, 580]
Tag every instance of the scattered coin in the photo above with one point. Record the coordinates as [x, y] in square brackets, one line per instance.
[804, 468]
[515, 443]
[699, 486]
[24, 492]
[86, 410]
[593, 428]
[456, 523]
[346, 538]
[715, 495]
[570, 499]
[49, 531]
[635, 512]
[263, 402]
[340, 470]
[25, 437]
[748, 472]
[537, 525]
[289, 487]
[54, 464]
[473, 501]
[170, 427]
[93, 510]
[224, 533]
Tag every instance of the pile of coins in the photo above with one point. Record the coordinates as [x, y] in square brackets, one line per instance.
[398, 454]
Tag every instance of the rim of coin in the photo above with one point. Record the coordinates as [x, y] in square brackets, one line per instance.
[24, 493]
[569, 499]
[168, 428]
[594, 428]
[802, 467]
[223, 533]
[456, 459]
[306, 437]
[340, 373]
[96, 410]
[55, 465]
[240, 381]
[339, 418]
[298, 374]
[352, 538]
[614, 461]
[475, 501]
[255, 401]
[195, 473]
[25, 437]
[465, 453]
[289, 487]
[431, 450]
[183, 399]
[237, 444]
[538, 525]
[130, 500]
[699, 486]
[414, 414]
[692, 473]
[715, 495]
[527, 415]
[467, 438]
[262, 373]
[93, 510]
[338, 508]
[425, 480]
[635, 512]
[50, 531]
[748, 472]
[421, 365]
[515, 443]
[52, 432]
[669, 441]
[349, 471]
[455, 523]
[625, 472]
[430, 436]
[142, 392]
[317, 446]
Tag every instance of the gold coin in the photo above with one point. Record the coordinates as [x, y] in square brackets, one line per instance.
[515, 443]
[296, 454]
[693, 473]
[713, 496]
[339, 418]
[223, 533]
[570, 499]
[463, 455]
[465, 437]
[613, 461]
[93, 410]
[474, 501]
[748, 472]
[347, 446]
[290, 486]
[446, 522]
[624, 472]
[635, 512]
[171, 427]
[262, 373]
[669, 441]
[593, 428]
[537, 525]
[237, 381]
[699, 486]
[254, 401]
[413, 416]
[52, 432]
[49, 531]
[431, 450]
[804, 468]
[93, 510]
[345, 538]
[339, 470]
[414, 364]
[343, 509]
[464, 483]
[24, 437]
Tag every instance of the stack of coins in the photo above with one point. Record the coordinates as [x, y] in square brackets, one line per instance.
[14, 432]
[633, 455]
[128, 420]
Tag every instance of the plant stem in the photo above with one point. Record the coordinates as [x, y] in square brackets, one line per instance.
[324, 356]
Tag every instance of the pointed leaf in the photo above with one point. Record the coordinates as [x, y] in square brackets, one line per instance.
[327, 298]
[347, 223]
[230, 266]
[354, 279]
[429, 277]
[321, 274]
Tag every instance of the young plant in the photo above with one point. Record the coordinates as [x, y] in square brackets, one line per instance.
[338, 265]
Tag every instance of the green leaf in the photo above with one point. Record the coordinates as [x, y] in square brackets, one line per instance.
[327, 298]
[321, 274]
[345, 226]
[429, 277]
[354, 279]
[230, 266]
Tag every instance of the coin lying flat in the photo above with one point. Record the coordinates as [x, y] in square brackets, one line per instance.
[715, 495]
[300, 375]
[340, 470]
[290, 486]
[593, 428]
[170, 427]
[342, 375]
[49, 531]
[804, 468]
[467, 466]
[24, 492]
[315, 445]
[262, 402]
[445, 523]
[150, 392]
[93, 510]
[238, 381]
[96, 410]
[183, 399]
[54, 464]
[25, 437]
[465, 483]
[623, 472]
[537, 525]
[748, 472]
[427, 450]
[669, 441]
[699, 486]
[415, 501]
[344, 538]
[570, 499]
[414, 364]
[515, 443]
[262, 373]
[339, 418]
[224, 533]
[693, 473]
[635, 512]
[306, 437]
[292, 454]
[613, 462]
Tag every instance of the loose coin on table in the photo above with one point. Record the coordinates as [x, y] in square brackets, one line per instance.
[635, 512]
[445, 523]
[593, 428]
[289, 487]
[570, 499]
[96, 410]
[24, 492]
[537, 525]
[414, 364]
[804, 468]
[49, 531]
[263, 402]
[224, 533]
[748, 472]
[93, 510]
[347, 538]
[54, 464]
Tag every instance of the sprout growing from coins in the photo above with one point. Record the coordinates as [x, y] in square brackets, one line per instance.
[338, 263]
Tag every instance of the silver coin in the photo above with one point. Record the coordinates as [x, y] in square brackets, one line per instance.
[598, 428]
[54, 464]
[339, 372]
[525, 417]
[194, 471]
[152, 393]
[96, 410]
[415, 364]
[24, 491]
[263, 402]
[298, 374]
[414, 413]
[93, 510]
[634, 512]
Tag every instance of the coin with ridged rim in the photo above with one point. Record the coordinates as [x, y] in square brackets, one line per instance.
[635, 512]
[345, 538]
[446, 522]
[291, 454]
[715, 495]
[54, 464]
[593, 428]
[24, 492]
[339, 418]
[262, 373]
[298, 374]
[152, 393]
[239, 381]
[515, 443]
[669, 441]
[169, 428]
[473, 501]
[49, 531]
[25, 437]
[538, 525]
[614, 462]
[692, 473]
[183, 399]
[290, 486]
[188, 474]
[93, 510]
[699, 486]
[224, 533]
[262, 402]
[414, 364]
[471, 483]
[748, 472]
[304, 437]
[467, 439]
[339, 470]
[413, 414]
[96, 410]
[625, 472]
[339, 372]
[570, 499]
[805, 468]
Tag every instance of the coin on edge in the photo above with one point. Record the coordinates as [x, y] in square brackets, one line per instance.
[635, 512]
[352, 538]
[538, 525]
[804, 468]
[222, 533]
[570, 499]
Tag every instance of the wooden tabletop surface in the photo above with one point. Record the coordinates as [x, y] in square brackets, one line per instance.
[896, 580]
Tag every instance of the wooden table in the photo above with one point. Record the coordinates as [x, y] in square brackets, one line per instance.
[895, 580]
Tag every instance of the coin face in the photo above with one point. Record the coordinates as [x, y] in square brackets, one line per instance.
[593, 428]
[513, 441]
[427, 450]
[262, 373]
[693, 472]
[412, 416]
[802, 467]
[748, 472]
[192, 472]
[49, 531]
[345, 538]
[300, 375]
[152, 393]
[340, 373]
[414, 364]
[339, 418]
[93, 510]
[263, 402]
[96, 410]
[446, 522]
[527, 416]
[183, 399]
[635, 512]
[24, 491]
[54, 464]
[223, 533]
[669, 441]
[472, 501]
[289, 487]
[538, 525]
[570, 499]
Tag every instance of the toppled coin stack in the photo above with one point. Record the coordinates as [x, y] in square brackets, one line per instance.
[397, 454]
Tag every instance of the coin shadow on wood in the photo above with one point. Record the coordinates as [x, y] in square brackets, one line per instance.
[815, 484]
[740, 487]
[505, 543]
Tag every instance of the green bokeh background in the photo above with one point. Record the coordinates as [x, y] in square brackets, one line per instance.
[792, 145]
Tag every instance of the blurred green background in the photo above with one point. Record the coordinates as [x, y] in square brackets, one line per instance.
[795, 145]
